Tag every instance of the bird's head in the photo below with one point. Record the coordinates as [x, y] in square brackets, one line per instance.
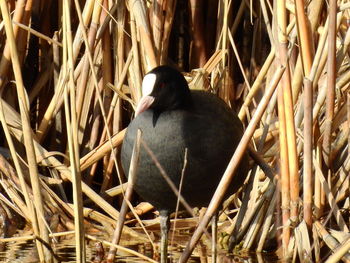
[163, 88]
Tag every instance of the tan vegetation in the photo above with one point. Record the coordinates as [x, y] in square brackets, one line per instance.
[70, 76]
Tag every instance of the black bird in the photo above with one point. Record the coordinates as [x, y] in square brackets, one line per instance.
[173, 118]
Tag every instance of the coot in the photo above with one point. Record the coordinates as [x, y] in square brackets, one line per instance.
[172, 118]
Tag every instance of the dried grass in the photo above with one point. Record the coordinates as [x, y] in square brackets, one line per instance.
[70, 77]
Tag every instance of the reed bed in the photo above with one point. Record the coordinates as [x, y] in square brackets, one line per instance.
[70, 77]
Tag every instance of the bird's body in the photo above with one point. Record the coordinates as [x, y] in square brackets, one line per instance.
[210, 132]
[172, 119]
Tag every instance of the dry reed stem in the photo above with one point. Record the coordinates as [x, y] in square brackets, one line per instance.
[331, 77]
[285, 188]
[335, 209]
[138, 9]
[339, 253]
[199, 49]
[232, 42]
[260, 215]
[95, 81]
[331, 242]
[302, 242]
[100, 151]
[53, 107]
[317, 68]
[25, 238]
[289, 162]
[72, 117]
[306, 55]
[245, 227]
[224, 30]
[319, 201]
[304, 34]
[157, 25]
[238, 17]
[118, 94]
[81, 89]
[127, 197]
[24, 186]
[6, 55]
[51, 161]
[238, 228]
[308, 146]
[226, 178]
[243, 209]
[267, 222]
[44, 254]
[169, 8]
[38, 34]
[107, 77]
[258, 81]
[124, 249]
[16, 203]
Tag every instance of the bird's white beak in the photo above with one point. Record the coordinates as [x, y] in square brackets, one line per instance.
[144, 104]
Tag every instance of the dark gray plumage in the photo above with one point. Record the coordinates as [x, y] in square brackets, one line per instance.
[173, 118]
[204, 125]
[210, 132]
